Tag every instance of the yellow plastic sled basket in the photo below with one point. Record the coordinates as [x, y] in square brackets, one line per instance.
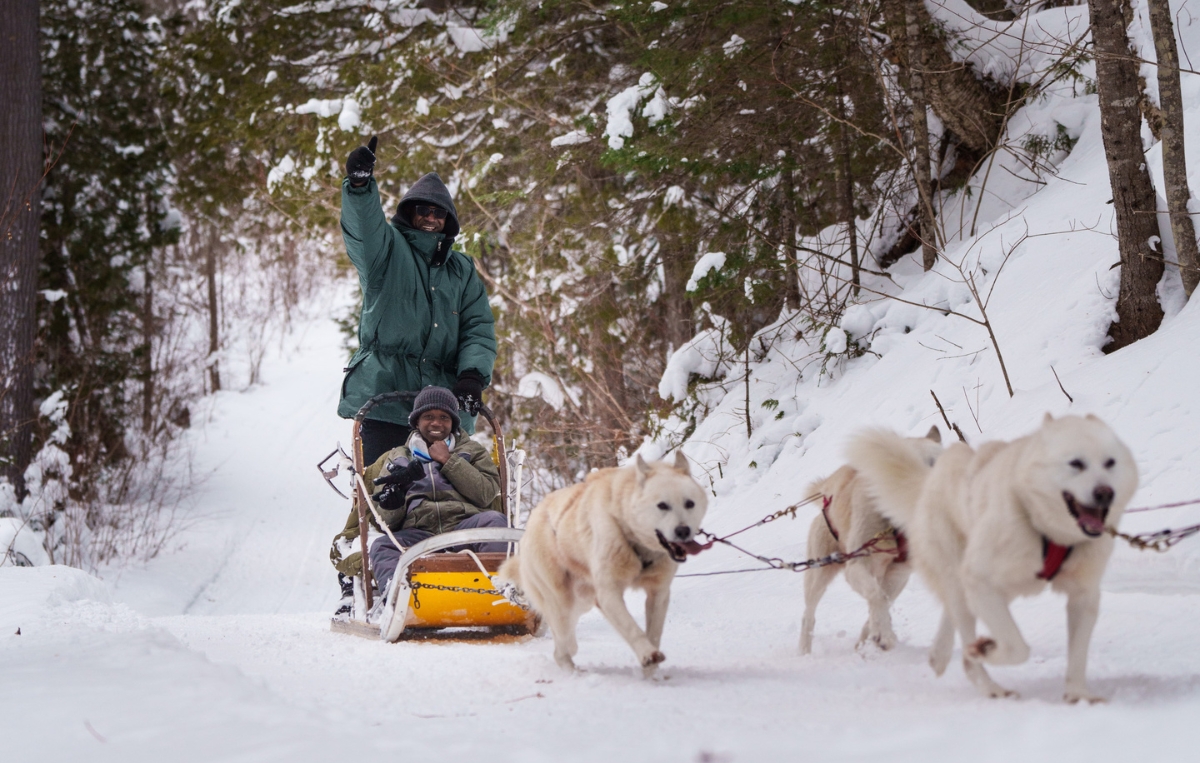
[442, 594]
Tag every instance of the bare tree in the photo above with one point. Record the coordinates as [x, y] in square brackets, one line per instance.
[1138, 311]
[20, 211]
[1170, 99]
[920, 131]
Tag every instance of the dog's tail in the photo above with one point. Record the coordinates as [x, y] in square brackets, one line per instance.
[894, 470]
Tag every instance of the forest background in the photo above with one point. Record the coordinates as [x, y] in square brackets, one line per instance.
[635, 180]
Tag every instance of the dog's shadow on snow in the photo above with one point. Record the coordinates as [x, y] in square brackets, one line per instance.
[1134, 688]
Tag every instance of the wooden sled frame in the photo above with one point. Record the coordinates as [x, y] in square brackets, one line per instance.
[416, 570]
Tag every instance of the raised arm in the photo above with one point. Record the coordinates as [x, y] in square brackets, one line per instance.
[365, 228]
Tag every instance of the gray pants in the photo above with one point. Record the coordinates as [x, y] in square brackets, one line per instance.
[385, 555]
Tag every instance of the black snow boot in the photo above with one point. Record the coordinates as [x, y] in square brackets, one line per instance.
[346, 604]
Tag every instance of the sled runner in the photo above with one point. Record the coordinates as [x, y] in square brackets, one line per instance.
[433, 588]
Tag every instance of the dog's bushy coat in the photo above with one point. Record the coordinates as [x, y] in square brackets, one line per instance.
[586, 544]
[979, 522]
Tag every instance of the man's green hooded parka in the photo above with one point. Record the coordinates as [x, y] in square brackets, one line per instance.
[425, 315]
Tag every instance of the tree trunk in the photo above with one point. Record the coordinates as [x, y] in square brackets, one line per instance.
[1138, 311]
[845, 189]
[965, 104]
[214, 324]
[677, 307]
[1174, 162]
[920, 132]
[148, 353]
[20, 210]
[788, 221]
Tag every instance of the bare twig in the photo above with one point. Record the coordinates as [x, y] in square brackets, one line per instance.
[946, 419]
[1060, 384]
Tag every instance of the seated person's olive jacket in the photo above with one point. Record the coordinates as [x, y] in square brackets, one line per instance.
[468, 483]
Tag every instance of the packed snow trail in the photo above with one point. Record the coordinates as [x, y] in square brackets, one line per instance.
[258, 537]
[238, 662]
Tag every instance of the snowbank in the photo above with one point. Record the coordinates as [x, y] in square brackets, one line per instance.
[27, 594]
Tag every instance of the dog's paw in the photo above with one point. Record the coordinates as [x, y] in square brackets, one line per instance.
[1074, 697]
[653, 659]
[939, 659]
[885, 640]
[999, 692]
[565, 662]
[980, 648]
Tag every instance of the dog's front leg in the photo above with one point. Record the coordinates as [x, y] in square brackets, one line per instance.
[1083, 607]
[1006, 646]
[657, 600]
[611, 601]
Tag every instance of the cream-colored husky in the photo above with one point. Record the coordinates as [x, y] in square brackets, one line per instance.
[986, 526]
[586, 544]
[847, 521]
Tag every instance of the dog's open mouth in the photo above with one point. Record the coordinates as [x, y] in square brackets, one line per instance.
[679, 551]
[1090, 518]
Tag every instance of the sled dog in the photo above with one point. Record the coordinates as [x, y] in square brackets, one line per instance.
[986, 526]
[620, 528]
[849, 519]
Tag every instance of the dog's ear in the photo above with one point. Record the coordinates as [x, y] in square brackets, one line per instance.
[934, 435]
[1047, 418]
[681, 463]
[643, 469]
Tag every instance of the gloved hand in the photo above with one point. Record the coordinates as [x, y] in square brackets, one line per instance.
[392, 497]
[402, 475]
[396, 483]
[469, 391]
[360, 165]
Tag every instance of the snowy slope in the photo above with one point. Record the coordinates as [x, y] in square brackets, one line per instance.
[219, 650]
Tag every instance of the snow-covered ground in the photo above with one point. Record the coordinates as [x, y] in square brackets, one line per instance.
[219, 650]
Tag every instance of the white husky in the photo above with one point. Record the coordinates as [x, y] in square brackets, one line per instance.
[849, 519]
[986, 526]
[586, 544]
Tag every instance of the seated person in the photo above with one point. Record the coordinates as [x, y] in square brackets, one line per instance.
[439, 480]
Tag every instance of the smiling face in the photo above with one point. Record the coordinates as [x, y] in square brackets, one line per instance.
[435, 425]
[669, 507]
[1087, 476]
[428, 218]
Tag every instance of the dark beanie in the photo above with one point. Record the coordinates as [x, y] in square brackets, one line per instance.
[434, 398]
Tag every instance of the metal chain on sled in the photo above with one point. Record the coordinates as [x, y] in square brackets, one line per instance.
[506, 591]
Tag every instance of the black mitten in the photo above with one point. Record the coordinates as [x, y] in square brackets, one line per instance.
[402, 475]
[469, 391]
[360, 165]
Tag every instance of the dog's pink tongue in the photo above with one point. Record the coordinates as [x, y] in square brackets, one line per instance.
[1091, 523]
[693, 548]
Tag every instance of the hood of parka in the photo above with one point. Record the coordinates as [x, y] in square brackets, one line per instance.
[428, 190]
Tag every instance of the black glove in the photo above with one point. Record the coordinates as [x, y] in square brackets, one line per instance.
[396, 483]
[402, 475]
[361, 163]
[469, 391]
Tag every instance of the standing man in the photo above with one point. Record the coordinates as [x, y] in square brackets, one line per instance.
[425, 316]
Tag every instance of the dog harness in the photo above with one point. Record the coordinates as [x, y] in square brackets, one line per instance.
[1053, 556]
[901, 540]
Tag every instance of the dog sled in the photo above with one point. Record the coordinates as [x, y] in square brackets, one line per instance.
[433, 588]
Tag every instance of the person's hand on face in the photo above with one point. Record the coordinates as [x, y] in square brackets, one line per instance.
[439, 452]
[435, 426]
[429, 218]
